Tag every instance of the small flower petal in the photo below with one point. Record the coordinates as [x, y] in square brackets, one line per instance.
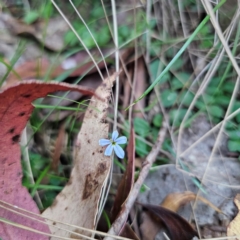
[104, 142]
[118, 150]
[108, 151]
[121, 140]
[114, 135]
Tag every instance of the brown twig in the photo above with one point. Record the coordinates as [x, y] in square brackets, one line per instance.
[150, 159]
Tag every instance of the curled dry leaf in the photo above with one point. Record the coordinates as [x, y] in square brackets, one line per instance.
[15, 110]
[174, 201]
[234, 226]
[175, 225]
[77, 204]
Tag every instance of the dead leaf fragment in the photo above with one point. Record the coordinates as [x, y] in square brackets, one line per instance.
[234, 226]
[174, 224]
[59, 146]
[15, 110]
[77, 204]
[149, 227]
[128, 232]
[49, 33]
[174, 201]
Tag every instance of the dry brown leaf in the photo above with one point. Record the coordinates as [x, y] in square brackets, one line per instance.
[50, 33]
[37, 69]
[59, 145]
[140, 87]
[149, 227]
[77, 204]
[174, 201]
[128, 232]
[174, 224]
[234, 226]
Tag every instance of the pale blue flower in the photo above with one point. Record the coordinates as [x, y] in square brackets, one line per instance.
[113, 145]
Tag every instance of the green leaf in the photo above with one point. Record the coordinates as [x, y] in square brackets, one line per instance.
[216, 111]
[200, 104]
[212, 90]
[154, 69]
[177, 115]
[168, 98]
[70, 38]
[141, 127]
[124, 31]
[97, 12]
[234, 134]
[186, 98]
[208, 99]
[87, 39]
[183, 77]
[31, 17]
[103, 36]
[157, 120]
[234, 146]
[206, 44]
[230, 125]
[237, 118]
[228, 87]
[214, 82]
[142, 149]
[46, 10]
[236, 106]
[177, 65]
[154, 133]
[176, 84]
[223, 100]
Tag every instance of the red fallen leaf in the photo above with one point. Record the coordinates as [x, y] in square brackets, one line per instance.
[127, 180]
[39, 67]
[78, 64]
[177, 227]
[15, 110]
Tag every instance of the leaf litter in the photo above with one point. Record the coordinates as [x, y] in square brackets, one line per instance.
[15, 110]
[78, 202]
[189, 163]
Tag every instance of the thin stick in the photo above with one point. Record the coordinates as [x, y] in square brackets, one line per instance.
[150, 159]
[115, 31]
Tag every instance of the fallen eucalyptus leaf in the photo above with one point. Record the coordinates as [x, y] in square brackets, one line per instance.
[77, 204]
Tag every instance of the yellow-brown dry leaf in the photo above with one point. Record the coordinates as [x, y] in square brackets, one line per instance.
[174, 201]
[234, 226]
[77, 204]
[60, 144]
